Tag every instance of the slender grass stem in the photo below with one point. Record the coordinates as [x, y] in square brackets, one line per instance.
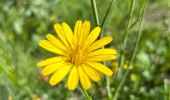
[107, 78]
[86, 94]
[96, 17]
[93, 4]
[134, 52]
[105, 17]
[124, 39]
[134, 23]
[128, 24]
[109, 94]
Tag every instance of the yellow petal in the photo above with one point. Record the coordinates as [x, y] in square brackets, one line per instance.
[100, 67]
[60, 32]
[100, 43]
[68, 33]
[56, 42]
[102, 58]
[105, 51]
[77, 29]
[52, 68]
[84, 31]
[92, 36]
[84, 79]
[49, 61]
[92, 73]
[50, 47]
[60, 74]
[73, 78]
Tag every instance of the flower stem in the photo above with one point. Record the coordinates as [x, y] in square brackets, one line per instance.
[86, 94]
[134, 52]
[105, 17]
[93, 4]
[128, 24]
[124, 39]
[109, 94]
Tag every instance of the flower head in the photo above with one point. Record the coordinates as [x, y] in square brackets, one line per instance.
[78, 54]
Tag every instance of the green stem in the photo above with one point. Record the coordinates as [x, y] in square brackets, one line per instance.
[107, 78]
[125, 37]
[93, 3]
[133, 54]
[105, 17]
[134, 23]
[109, 94]
[128, 24]
[86, 94]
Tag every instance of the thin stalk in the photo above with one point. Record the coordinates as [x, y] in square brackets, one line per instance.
[86, 94]
[124, 40]
[93, 3]
[134, 52]
[133, 24]
[96, 17]
[105, 17]
[109, 94]
[95, 12]
[128, 24]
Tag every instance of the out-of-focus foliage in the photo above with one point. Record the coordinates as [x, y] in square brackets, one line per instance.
[24, 22]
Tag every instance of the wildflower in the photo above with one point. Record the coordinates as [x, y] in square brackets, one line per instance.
[78, 55]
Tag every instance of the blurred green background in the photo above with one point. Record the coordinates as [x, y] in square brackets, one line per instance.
[24, 22]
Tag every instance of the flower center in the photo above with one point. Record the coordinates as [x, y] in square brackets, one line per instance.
[77, 55]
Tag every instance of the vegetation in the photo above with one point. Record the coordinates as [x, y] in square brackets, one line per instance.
[141, 23]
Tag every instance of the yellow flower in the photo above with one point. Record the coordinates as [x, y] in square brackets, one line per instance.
[78, 55]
